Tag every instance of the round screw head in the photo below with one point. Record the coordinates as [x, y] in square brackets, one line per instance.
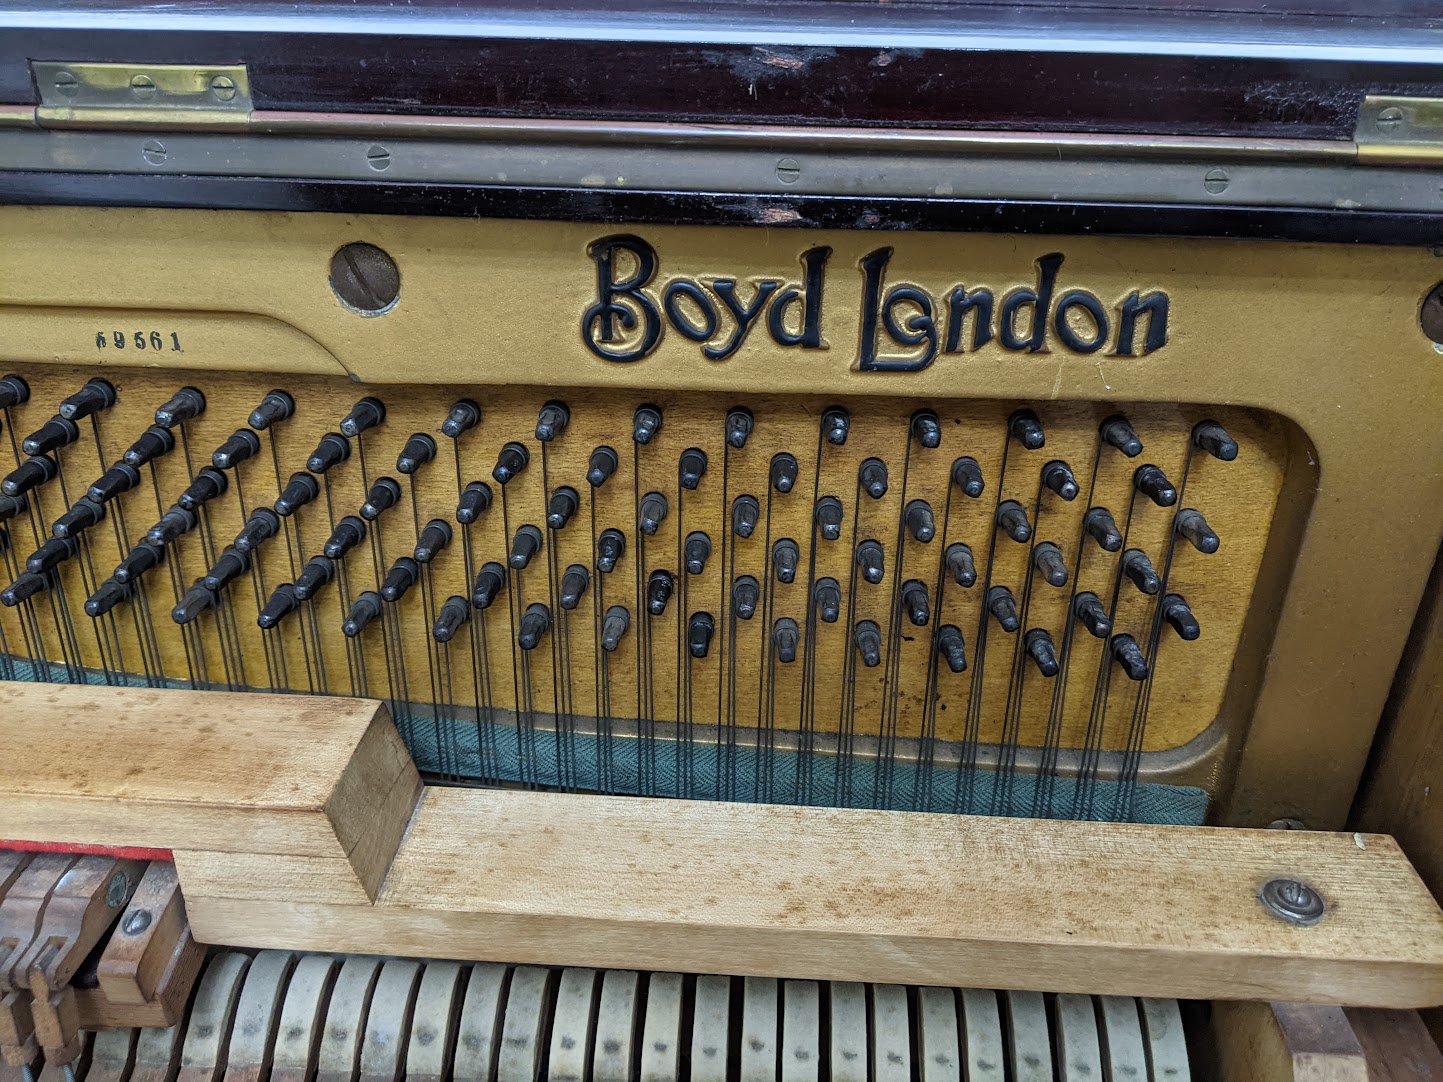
[789, 170]
[137, 922]
[142, 86]
[1389, 118]
[365, 279]
[66, 83]
[1216, 181]
[1292, 900]
[1430, 314]
[153, 151]
[223, 87]
[378, 157]
[117, 890]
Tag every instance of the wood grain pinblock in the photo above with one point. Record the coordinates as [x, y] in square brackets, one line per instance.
[288, 776]
[821, 893]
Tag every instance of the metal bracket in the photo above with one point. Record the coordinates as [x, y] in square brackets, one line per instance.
[1400, 131]
[141, 96]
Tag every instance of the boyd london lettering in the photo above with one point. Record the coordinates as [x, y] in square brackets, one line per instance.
[902, 326]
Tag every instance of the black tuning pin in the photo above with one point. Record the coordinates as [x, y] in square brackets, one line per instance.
[186, 404]
[1026, 429]
[29, 475]
[953, 647]
[454, 615]
[967, 476]
[243, 444]
[282, 603]
[231, 565]
[51, 436]
[384, 495]
[745, 513]
[828, 516]
[872, 477]
[746, 591]
[404, 574]
[524, 547]
[785, 638]
[275, 407]
[915, 602]
[1042, 651]
[208, 484]
[739, 425]
[960, 564]
[1129, 655]
[332, 450]
[1191, 525]
[83, 514]
[610, 547]
[919, 520]
[1047, 558]
[868, 638]
[1091, 615]
[489, 583]
[1213, 438]
[300, 490]
[1002, 605]
[513, 458]
[364, 416]
[1116, 432]
[462, 417]
[1102, 528]
[827, 596]
[927, 428]
[1012, 517]
[365, 609]
[1153, 483]
[1179, 616]
[51, 555]
[1058, 476]
[25, 586]
[564, 502]
[349, 533]
[14, 391]
[645, 424]
[836, 425]
[259, 528]
[695, 552]
[153, 442]
[872, 561]
[691, 468]
[785, 557]
[419, 450]
[1138, 568]
[551, 422]
[602, 464]
[318, 573]
[138, 561]
[173, 524]
[195, 601]
[119, 478]
[658, 591]
[784, 472]
[613, 628]
[573, 585]
[107, 595]
[653, 512]
[96, 395]
[699, 631]
[475, 499]
[10, 506]
[435, 536]
[535, 622]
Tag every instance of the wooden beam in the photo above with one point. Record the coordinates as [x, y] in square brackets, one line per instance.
[283, 776]
[836, 894]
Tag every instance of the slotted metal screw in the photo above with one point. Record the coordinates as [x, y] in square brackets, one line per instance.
[789, 170]
[1216, 182]
[117, 890]
[1389, 118]
[153, 151]
[142, 86]
[137, 922]
[378, 157]
[67, 84]
[223, 87]
[1292, 900]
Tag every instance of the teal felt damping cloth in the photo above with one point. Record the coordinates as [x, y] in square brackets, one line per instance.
[702, 770]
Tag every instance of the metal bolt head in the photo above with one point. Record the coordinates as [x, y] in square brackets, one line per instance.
[1287, 824]
[1389, 118]
[223, 87]
[153, 151]
[66, 83]
[1430, 314]
[365, 278]
[142, 86]
[378, 157]
[117, 890]
[789, 170]
[1216, 182]
[1292, 900]
[136, 922]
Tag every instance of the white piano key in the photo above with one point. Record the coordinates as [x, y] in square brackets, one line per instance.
[1166, 1042]
[433, 1025]
[711, 1028]
[479, 1031]
[523, 1033]
[1029, 1037]
[1079, 1055]
[616, 1026]
[388, 1022]
[253, 1035]
[850, 1048]
[1123, 1055]
[298, 1036]
[345, 1025]
[113, 1055]
[891, 1034]
[801, 1041]
[759, 1030]
[939, 1055]
[982, 1029]
[211, 1017]
[661, 1032]
[571, 1026]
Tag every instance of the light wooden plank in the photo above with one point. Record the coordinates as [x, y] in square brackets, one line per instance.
[816, 893]
[278, 775]
[1286, 1042]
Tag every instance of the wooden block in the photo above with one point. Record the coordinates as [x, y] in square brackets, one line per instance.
[269, 876]
[1397, 1045]
[322, 777]
[144, 938]
[97, 1011]
[834, 894]
[85, 903]
[1286, 1042]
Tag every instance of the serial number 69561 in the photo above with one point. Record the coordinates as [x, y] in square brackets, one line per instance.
[152, 340]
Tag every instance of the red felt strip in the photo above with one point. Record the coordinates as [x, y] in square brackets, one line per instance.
[121, 852]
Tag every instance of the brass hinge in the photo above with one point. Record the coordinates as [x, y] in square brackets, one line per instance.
[141, 96]
[1400, 131]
